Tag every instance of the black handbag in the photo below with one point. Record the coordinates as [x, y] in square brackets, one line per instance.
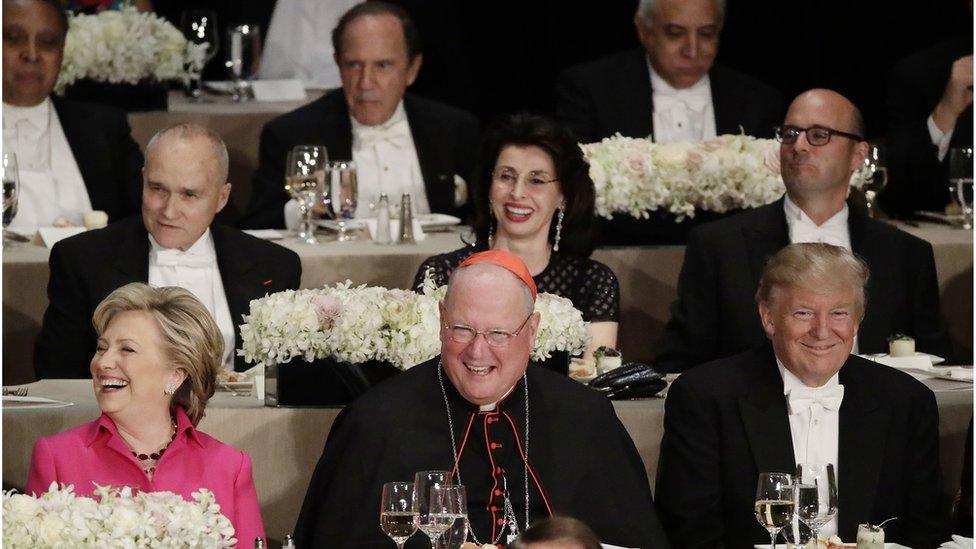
[632, 380]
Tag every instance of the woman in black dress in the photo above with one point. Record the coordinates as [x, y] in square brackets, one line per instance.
[533, 196]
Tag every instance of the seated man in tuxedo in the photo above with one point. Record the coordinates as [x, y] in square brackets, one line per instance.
[669, 90]
[804, 399]
[173, 244]
[400, 143]
[72, 157]
[467, 412]
[714, 314]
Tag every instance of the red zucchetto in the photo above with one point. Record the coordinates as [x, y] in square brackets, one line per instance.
[506, 260]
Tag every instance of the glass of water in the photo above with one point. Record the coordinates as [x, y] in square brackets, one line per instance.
[876, 178]
[961, 182]
[243, 58]
[11, 190]
[345, 196]
[450, 505]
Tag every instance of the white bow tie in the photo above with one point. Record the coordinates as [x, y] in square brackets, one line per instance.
[35, 119]
[802, 398]
[176, 258]
[396, 134]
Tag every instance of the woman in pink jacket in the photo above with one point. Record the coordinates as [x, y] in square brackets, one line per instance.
[153, 371]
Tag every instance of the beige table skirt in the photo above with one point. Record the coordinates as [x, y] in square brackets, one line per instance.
[285, 443]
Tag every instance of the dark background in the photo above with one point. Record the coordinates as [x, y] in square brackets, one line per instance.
[498, 56]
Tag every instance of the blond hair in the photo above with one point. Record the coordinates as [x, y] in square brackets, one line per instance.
[814, 266]
[191, 339]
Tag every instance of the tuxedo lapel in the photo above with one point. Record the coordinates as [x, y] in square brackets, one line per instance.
[635, 97]
[766, 235]
[765, 417]
[865, 246]
[132, 261]
[334, 127]
[74, 123]
[240, 285]
[727, 116]
[435, 166]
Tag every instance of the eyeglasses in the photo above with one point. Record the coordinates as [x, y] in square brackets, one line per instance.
[817, 136]
[495, 338]
[509, 177]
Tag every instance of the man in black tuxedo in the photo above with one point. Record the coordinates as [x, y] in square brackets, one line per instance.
[714, 314]
[669, 89]
[173, 244]
[401, 143]
[73, 157]
[804, 399]
[930, 111]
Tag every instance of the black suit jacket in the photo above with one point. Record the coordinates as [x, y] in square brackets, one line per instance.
[108, 158]
[613, 94]
[446, 140]
[716, 314]
[87, 267]
[917, 179]
[727, 421]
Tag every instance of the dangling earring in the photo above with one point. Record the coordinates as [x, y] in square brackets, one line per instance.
[491, 224]
[559, 229]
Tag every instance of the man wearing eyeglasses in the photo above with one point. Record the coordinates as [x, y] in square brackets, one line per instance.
[525, 442]
[821, 145]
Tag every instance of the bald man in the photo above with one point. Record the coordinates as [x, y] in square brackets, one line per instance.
[175, 243]
[821, 145]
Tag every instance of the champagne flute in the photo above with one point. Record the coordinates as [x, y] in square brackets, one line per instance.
[816, 494]
[397, 517]
[11, 191]
[961, 182]
[774, 503]
[451, 506]
[423, 482]
[200, 27]
[876, 178]
[305, 171]
[243, 57]
[345, 192]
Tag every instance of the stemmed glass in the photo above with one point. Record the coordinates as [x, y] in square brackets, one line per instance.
[816, 494]
[774, 503]
[11, 191]
[200, 27]
[449, 505]
[397, 517]
[961, 182]
[345, 193]
[429, 521]
[243, 57]
[305, 171]
[876, 177]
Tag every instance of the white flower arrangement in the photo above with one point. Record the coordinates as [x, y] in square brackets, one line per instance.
[114, 518]
[637, 176]
[126, 46]
[358, 324]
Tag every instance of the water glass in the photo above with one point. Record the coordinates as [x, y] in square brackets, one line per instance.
[429, 523]
[398, 520]
[305, 171]
[816, 494]
[451, 506]
[11, 190]
[344, 195]
[876, 177]
[243, 58]
[961, 182]
[200, 27]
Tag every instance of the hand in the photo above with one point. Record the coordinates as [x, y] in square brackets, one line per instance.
[957, 96]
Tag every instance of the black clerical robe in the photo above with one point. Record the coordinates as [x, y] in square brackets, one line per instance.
[582, 463]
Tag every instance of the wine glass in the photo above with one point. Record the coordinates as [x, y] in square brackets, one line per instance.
[397, 517]
[451, 506]
[200, 27]
[11, 190]
[305, 170]
[816, 494]
[961, 182]
[429, 523]
[774, 503]
[876, 177]
[243, 57]
[345, 192]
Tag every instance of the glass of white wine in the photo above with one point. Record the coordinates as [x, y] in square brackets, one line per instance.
[305, 170]
[961, 182]
[876, 177]
[774, 503]
[816, 495]
[397, 517]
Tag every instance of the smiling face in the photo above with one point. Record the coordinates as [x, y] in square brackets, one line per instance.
[486, 297]
[33, 47]
[681, 39]
[375, 67]
[182, 190]
[812, 331]
[130, 369]
[521, 208]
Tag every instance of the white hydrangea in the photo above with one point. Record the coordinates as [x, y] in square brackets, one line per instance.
[126, 46]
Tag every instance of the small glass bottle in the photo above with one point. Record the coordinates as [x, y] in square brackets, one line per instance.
[289, 542]
[382, 235]
[406, 220]
[258, 543]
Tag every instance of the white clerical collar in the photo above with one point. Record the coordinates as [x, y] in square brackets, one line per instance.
[399, 115]
[791, 382]
[660, 86]
[491, 407]
[39, 113]
[203, 247]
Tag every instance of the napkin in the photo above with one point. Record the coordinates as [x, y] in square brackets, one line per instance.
[418, 231]
[918, 362]
[278, 90]
[958, 542]
[265, 234]
[49, 236]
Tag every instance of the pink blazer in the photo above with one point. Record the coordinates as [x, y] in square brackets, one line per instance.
[94, 453]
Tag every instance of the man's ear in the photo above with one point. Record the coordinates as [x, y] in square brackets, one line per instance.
[766, 317]
[413, 69]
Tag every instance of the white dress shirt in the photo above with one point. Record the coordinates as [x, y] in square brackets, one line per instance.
[682, 115]
[939, 138]
[51, 185]
[196, 270]
[814, 428]
[803, 229]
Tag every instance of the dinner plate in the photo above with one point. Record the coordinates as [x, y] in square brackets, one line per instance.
[437, 221]
[236, 386]
[852, 545]
[934, 358]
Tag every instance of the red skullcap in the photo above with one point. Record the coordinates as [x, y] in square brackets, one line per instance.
[506, 260]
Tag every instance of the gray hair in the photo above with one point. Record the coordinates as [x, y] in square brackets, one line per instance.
[814, 265]
[189, 130]
[528, 300]
[647, 8]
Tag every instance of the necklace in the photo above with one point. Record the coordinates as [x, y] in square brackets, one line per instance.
[152, 459]
[510, 520]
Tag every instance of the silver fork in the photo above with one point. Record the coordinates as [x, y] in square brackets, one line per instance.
[15, 391]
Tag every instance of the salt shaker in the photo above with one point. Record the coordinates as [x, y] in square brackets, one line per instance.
[406, 220]
[382, 235]
[289, 542]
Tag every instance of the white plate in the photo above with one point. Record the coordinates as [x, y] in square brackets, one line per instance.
[236, 386]
[952, 219]
[351, 224]
[783, 545]
[219, 86]
[947, 372]
[437, 221]
[935, 359]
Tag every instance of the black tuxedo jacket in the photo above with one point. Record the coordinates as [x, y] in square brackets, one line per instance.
[917, 179]
[613, 94]
[727, 421]
[716, 314]
[87, 267]
[446, 140]
[108, 158]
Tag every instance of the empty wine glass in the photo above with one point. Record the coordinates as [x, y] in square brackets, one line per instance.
[11, 191]
[774, 503]
[961, 182]
[305, 170]
[398, 520]
[243, 57]
[449, 504]
[816, 495]
[200, 27]
[876, 177]
[423, 482]
[345, 192]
